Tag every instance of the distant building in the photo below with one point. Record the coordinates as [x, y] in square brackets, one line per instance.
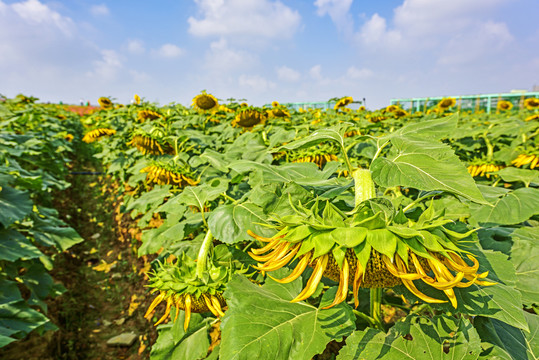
[485, 102]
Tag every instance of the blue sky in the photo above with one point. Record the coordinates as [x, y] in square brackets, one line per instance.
[265, 50]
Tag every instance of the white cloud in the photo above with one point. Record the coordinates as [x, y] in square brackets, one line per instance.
[36, 14]
[135, 47]
[168, 51]
[244, 18]
[287, 74]
[108, 67]
[355, 73]
[222, 58]
[375, 31]
[338, 11]
[255, 82]
[316, 72]
[100, 10]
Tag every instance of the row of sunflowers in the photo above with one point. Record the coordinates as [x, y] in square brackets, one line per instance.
[294, 230]
[343, 233]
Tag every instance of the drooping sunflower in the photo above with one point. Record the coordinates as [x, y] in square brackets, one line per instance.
[95, 134]
[343, 102]
[205, 102]
[146, 114]
[165, 174]
[178, 286]
[532, 117]
[526, 159]
[504, 105]
[149, 144]
[249, 117]
[369, 249]
[531, 103]
[374, 118]
[484, 169]
[318, 159]
[137, 99]
[446, 103]
[105, 102]
[398, 113]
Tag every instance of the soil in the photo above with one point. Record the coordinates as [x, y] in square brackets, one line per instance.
[96, 305]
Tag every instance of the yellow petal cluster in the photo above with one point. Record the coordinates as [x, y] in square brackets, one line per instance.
[161, 176]
[523, 159]
[93, 135]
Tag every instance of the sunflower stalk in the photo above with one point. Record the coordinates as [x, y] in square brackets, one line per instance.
[490, 148]
[364, 186]
[376, 307]
[202, 259]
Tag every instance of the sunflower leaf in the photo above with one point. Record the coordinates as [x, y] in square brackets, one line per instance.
[261, 323]
[425, 165]
[442, 337]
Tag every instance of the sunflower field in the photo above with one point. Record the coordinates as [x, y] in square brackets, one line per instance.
[274, 233]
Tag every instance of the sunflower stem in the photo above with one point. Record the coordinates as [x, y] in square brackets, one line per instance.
[379, 151]
[202, 259]
[376, 308]
[365, 317]
[363, 185]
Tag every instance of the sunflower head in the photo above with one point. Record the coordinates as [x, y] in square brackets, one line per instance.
[205, 102]
[177, 285]
[400, 113]
[504, 105]
[105, 102]
[136, 98]
[150, 143]
[275, 104]
[144, 115]
[369, 249]
[249, 117]
[446, 103]
[531, 103]
[391, 108]
[160, 173]
[279, 112]
[532, 117]
[95, 134]
[343, 102]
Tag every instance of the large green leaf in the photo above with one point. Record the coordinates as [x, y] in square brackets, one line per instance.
[525, 258]
[300, 173]
[14, 246]
[14, 205]
[441, 337]
[229, 223]
[174, 343]
[425, 165]
[512, 208]
[60, 237]
[261, 323]
[316, 138]
[502, 341]
[435, 129]
[513, 174]
[198, 195]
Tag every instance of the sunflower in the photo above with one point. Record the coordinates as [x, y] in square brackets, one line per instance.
[484, 169]
[400, 113]
[275, 104]
[368, 250]
[93, 135]
[137, 99]
[162, 174]
[279, 112]
[177, 286]
[446, 103]
[531, 103]
[69, 137]
[391, 108]
[205, 102]
[532, 117]
[376, 118]
[147, 144]
[105, 102]
[504, 105]
[247, 118]
[524, 159]
[352, 133]
[148, 115]
[343, 102]
[362, 108]
[318, 159]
